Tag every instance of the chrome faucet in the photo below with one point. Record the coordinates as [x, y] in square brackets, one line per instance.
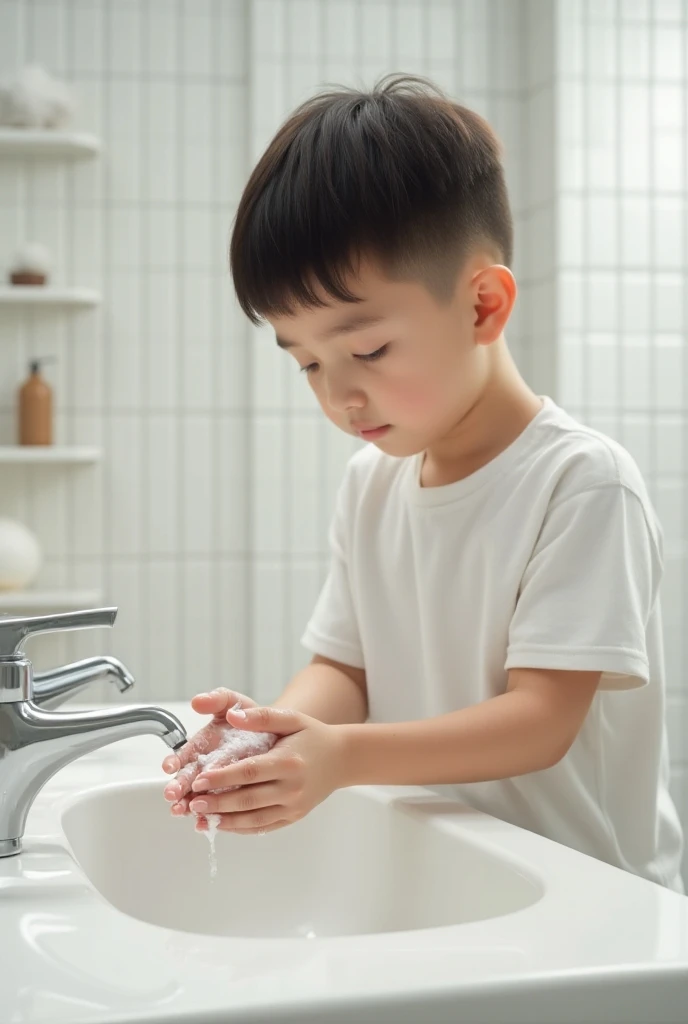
[35, 743]
[54, 687]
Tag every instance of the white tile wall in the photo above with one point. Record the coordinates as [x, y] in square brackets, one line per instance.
[622, 266]
[159, 374]
[207, 522]
[215, 452]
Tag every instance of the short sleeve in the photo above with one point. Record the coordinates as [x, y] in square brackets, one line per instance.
[589, 589]
[332, 631]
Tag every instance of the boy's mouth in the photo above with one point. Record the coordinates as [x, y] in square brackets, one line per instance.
[372, 433]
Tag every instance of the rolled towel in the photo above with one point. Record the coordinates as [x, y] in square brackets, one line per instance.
[34, 99]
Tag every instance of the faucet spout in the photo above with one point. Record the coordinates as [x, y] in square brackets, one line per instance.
[54, 687]
[35, 744]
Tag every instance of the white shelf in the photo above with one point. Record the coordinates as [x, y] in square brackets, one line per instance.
[20, 601]
[29, 454]
[20, 142]
[46, 295]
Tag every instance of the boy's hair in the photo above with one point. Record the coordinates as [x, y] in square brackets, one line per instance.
[401, 174]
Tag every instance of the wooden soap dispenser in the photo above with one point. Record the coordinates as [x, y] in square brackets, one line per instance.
[36, 407]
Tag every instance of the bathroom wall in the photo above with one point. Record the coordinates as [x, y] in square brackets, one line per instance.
[622, 268]
[158, 375]
[207, 521]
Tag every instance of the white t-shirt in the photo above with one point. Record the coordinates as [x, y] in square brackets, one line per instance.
[550, 556]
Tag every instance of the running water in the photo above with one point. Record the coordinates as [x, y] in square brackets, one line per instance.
[236, 744]
[213, 821]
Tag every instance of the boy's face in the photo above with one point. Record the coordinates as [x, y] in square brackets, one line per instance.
[399, 368]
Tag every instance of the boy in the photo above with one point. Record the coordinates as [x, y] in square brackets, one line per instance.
[491, 621]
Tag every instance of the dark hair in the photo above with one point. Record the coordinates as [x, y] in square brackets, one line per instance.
[400, 173]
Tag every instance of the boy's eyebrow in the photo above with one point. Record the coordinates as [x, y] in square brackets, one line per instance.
[353, 323]
[347, 326]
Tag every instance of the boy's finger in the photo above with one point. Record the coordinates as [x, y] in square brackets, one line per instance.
[180, 808]
[176, 791]
[179, 788]
[218, 701]
[171, 764]
[281, 721]
[189, 752]
[212, 703]
[241, 800]
[257, 831]
[242, 773]
[186, 776]
[172, 791]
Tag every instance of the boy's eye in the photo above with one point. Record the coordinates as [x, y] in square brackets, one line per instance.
[369, 357]
[372, 356]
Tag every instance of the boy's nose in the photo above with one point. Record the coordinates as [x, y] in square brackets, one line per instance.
[343, 396]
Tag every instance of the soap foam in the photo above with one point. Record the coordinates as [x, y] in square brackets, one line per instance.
[236, 745]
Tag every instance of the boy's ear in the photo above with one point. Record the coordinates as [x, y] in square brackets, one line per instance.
[494, 294]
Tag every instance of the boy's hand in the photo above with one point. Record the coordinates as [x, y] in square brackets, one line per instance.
[305, 765]
[184, 762]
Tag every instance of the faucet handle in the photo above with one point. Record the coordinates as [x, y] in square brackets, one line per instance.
[13, 631]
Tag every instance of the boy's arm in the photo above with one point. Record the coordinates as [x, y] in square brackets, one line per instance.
[598, 538]
[329, 691]
[528, 728]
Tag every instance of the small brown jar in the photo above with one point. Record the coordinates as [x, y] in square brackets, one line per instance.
[24, 277]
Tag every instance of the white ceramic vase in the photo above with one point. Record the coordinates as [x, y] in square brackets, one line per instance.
[20, 555]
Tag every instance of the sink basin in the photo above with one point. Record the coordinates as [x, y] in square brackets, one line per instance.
[416, 908]
[355, 865]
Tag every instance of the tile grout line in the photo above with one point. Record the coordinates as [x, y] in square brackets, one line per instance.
[249, 583]
[146, 638]
[181, 575]
[106, 335]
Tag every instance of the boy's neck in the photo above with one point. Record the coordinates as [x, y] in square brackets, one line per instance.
[503, 411]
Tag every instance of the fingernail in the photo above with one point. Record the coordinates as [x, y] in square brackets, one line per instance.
[199, 806]
[200, 785]
[202, 694]
[238, 713]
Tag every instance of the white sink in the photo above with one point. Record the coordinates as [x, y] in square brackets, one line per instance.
[355, 865]
[386, 904]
